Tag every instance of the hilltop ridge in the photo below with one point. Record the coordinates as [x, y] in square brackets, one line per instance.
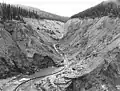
[103, 9]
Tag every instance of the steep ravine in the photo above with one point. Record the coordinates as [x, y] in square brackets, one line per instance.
[87, 48]
[88, 64]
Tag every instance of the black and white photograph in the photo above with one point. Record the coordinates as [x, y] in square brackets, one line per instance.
[59, 45]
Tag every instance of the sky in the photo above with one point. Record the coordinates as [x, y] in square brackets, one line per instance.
[59, 7]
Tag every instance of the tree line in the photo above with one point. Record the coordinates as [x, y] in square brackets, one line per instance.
[9, 12]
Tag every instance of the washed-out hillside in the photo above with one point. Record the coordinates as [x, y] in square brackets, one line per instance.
[27, 38]
[85, 51]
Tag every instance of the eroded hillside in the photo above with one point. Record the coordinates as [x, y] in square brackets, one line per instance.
[26, 47]
[90, 50]
[88, 46]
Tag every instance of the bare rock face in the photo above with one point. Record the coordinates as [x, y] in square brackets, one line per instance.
[27, 47]
[90, 50]
[91, 53]
[89, 44]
